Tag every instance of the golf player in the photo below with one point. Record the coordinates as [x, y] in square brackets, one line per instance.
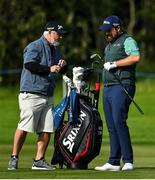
[121, 55]
[42, 61]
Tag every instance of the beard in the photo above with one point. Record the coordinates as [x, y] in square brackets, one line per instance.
[55, 43]
[109, 38]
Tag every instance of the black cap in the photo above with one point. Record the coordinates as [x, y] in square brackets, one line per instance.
[55, 26]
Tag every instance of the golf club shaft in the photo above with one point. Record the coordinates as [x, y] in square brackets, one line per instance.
[119, 80]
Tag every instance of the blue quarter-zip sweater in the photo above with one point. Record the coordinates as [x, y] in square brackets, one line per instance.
[39, 52]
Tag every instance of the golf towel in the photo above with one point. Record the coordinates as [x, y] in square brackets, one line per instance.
[71, 102]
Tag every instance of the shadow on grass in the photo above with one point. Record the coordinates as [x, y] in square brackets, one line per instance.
[145, 168]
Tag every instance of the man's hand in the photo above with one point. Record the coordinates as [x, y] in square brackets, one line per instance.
[55, 68]
[62, 63]
[110, 65]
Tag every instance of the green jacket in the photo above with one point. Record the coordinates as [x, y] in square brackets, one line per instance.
[115, 51]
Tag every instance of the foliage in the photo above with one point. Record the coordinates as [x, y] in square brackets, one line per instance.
[22, 22]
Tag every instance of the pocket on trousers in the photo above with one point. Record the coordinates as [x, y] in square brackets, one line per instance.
[23, 96]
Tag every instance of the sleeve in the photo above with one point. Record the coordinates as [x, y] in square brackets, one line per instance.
[131, 47]
[32, 60]
[36, 68]
[31, 53]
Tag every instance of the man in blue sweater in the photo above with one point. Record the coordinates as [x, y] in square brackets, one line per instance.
[121, 55]
[42, 61]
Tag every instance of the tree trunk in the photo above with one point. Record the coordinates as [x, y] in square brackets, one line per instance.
[132, 16]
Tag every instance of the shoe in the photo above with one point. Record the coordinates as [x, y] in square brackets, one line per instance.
[42, 165]
[13, 163]
[128, 167]
[107, 167]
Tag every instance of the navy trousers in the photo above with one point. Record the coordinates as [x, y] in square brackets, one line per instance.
[116, 106]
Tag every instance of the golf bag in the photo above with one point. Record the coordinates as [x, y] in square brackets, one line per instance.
[78, 142]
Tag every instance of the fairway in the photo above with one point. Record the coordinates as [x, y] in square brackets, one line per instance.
[142, 130]
[144, 161]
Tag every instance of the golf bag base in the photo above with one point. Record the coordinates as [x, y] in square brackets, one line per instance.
[78, 143]
[78, 166]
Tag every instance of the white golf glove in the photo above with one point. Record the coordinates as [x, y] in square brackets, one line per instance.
[110, 65]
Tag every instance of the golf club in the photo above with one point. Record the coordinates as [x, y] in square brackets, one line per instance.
[94, 55]
[119, 80]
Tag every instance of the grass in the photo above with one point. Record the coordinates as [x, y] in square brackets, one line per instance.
[142, 134]
[145, 165]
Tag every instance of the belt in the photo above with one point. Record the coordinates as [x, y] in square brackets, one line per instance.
[26, 92]
[108, 85]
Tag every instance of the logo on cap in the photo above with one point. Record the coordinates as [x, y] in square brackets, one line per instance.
[50, 28]
[106, 22]
[60, 27]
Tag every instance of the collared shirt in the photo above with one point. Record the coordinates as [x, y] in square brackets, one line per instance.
[131, 47]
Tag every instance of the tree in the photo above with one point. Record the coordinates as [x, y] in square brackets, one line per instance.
[132, 16]
[23, 21]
